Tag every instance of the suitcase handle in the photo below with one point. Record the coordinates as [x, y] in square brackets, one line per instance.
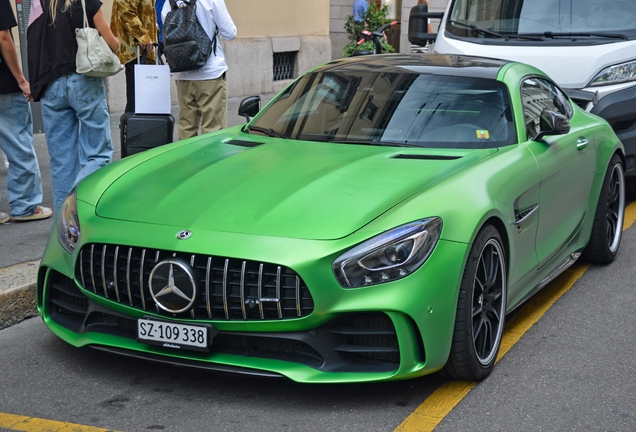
[141, 59]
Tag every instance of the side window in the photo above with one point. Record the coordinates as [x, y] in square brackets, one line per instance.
[538, 94]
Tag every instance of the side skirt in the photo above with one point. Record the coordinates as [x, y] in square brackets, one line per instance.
[565, 264]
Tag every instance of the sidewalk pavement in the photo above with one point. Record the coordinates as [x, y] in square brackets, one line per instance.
[17, 282]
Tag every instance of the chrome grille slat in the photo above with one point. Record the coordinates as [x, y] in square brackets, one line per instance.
[242, 289]
[260, 290]
[230, 289]
[116, 282]
[92, 267]
[157, 256]
[81, 267]
[104, 285]
[208, 302]
[298, 311]
[279, 307]
[128, 262]
[225, 272]
[141, 279]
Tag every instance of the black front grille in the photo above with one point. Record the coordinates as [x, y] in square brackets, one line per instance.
[361, 342]
[623, 125]
[67, 305]
[370, 336]
[229, 289]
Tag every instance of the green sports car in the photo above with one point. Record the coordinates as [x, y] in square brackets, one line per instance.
[375, 221]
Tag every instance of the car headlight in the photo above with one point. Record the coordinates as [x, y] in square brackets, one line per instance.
[389, 256]
[615, 74]
[68, 227]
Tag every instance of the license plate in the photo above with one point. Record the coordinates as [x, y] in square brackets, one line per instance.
[172, 335]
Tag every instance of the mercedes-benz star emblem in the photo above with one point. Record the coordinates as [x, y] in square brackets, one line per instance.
[184, 235]
[173, 285]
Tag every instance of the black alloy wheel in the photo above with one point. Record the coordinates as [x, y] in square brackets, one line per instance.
[481, 309]
[607, 230]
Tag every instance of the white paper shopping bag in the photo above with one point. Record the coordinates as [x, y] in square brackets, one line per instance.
[152, 89]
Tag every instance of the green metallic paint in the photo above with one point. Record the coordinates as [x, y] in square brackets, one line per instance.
[283, 188]
[302, 204]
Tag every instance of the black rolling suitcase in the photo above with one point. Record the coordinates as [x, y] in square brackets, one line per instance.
[141, 131]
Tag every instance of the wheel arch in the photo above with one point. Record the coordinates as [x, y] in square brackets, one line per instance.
[501, 227]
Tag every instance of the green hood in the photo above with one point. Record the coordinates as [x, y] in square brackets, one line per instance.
[281, 188]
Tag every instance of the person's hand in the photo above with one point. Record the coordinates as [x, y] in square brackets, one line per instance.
[148, 47]
[26, 90]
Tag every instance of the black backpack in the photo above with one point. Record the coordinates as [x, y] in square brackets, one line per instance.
[186, 45]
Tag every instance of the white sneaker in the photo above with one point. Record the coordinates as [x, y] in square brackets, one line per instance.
[5, 160]
[40, 212]
[4, 217]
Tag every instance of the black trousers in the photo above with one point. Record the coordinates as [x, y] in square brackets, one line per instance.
[130, 85]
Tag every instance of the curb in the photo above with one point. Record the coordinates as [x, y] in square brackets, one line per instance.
[17, 293]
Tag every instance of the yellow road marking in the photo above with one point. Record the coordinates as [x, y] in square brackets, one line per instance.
[32, 424]
[440, 403]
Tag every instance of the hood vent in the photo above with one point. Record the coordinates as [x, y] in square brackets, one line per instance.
[243, 143]
[425, 157]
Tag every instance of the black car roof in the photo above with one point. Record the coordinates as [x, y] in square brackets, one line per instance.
[438, 64]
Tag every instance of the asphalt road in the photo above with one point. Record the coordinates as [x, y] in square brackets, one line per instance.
[44, 377]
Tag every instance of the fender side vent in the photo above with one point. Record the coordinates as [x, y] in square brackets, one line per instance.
[425, 157]
[243, 143]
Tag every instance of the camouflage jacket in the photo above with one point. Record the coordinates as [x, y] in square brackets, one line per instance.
[134, 22]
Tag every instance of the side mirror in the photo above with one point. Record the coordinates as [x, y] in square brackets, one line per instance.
[418, 24]
[249, 107]
[552, 123]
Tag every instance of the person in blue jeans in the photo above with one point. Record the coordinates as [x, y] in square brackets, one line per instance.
[74, 110]
[24, 184]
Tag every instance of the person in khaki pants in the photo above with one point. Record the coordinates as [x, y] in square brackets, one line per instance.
[202, 93]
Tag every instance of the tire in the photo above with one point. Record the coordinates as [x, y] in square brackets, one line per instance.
[481, 309]
[607, 230]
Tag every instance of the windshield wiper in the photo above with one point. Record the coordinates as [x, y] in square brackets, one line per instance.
[484, 31]
[269, 132]
[550, 35]
[476, 29]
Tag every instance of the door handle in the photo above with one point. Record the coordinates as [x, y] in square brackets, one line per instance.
[581, 144]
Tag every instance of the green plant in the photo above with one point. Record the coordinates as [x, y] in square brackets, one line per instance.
[374, 18]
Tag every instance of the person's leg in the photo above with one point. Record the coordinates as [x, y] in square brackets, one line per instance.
[130, 85]
[212, 98]
[87, 96]
[61, 129]
[24, 184]
[188, 109]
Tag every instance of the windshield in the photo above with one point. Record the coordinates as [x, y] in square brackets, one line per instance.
[591, 18]
[391, 109]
